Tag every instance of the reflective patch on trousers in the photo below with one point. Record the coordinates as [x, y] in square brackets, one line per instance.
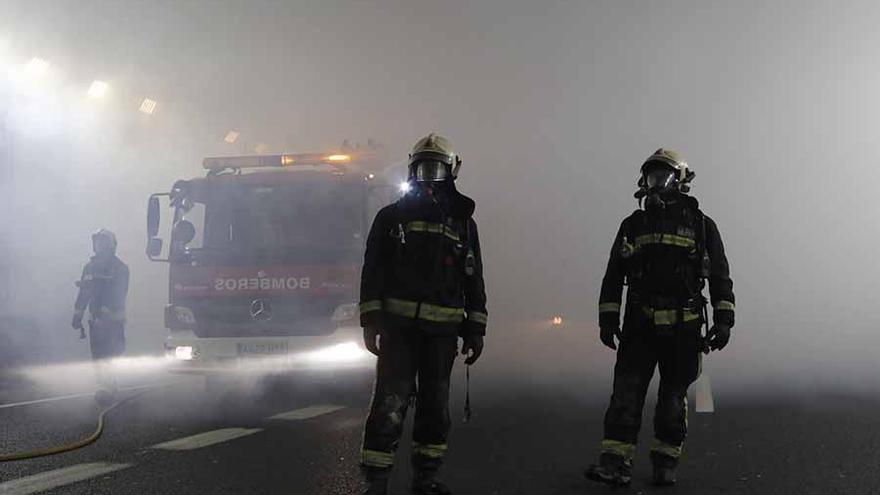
[375, 458]
[436, 451]
[666, 449]
[623, 449]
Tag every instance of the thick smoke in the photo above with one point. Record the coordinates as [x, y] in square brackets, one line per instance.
[553, 107]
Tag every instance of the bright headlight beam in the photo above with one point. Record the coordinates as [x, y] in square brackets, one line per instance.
[347, 352]
[405, 187]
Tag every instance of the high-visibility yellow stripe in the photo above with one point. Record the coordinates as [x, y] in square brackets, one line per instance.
[433, 228]
[400, 307]
[665, 239]
[669, 316]
[627, 249]
[369, 306]
[725, 306]
[427, 312]
[664, 448]
[478, 317]
[375, 458]
[435, 451]
[609, 307]
[441, 314]
[623, 449]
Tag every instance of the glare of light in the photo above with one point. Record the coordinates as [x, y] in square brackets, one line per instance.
[36, 67]
[557, 321]
[98, 89]
[287, 160]
[148, 106]
[405, 187]
[371, 176]
[231, 137]
[339, 158]
[183, 352]
[348, 352]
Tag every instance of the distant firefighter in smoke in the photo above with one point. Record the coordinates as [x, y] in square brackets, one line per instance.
[103, 289]
[665, 253]
[422, 288]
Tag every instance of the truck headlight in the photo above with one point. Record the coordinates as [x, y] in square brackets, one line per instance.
[184, 352]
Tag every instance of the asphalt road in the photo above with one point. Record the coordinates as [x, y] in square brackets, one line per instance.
[535, 428]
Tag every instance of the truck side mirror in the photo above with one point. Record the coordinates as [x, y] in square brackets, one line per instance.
[154, 247]
[184, 232]
[153, 216]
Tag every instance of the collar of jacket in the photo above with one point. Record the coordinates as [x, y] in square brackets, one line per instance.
[460, 207]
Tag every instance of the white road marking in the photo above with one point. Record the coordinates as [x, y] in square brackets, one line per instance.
[206, 439]
[307, 412]
[703, 391]
[77, 396]
[59, 477]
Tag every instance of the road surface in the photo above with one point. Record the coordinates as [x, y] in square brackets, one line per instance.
[537, 423]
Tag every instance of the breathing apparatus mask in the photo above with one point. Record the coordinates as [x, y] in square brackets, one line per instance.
[433, 163]
[664, 176]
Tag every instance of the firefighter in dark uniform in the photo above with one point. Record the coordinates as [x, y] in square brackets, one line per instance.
[421, 289]
[665, 253]
[102, 290]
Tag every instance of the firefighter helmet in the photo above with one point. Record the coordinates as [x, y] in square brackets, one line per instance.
[432, 159]
[665, 170]
[107, 236]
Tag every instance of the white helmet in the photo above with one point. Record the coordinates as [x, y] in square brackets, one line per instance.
[432, 159]
[665, 171]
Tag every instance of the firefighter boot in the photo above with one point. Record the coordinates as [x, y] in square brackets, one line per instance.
[425, 482]
[664, 469]
[612, 469]
[375, 480]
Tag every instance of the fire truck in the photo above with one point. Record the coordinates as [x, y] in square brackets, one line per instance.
[264, 259]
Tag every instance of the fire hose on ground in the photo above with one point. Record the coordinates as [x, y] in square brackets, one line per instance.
[78, 444]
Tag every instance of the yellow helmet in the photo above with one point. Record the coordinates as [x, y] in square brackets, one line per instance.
[432, 159]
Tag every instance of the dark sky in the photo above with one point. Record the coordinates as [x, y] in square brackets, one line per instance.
[553, 106]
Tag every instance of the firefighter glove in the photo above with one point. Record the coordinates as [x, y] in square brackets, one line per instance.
[607, 335]
[371, 339]
[472, 345]
[77, 321]
[718, 336]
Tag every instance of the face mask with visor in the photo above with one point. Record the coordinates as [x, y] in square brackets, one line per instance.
[430, 171]
[660, 180]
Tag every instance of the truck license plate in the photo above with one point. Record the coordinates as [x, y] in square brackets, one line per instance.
[262, 349]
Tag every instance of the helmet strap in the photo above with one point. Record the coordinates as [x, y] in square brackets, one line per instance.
[456, 167]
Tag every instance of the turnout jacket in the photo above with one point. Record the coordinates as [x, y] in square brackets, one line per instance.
[423, 262]
[665, 256]
[103, 288]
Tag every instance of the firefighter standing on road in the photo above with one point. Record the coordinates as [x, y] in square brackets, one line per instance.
[421, 289]
[665, 252]
[103, 289]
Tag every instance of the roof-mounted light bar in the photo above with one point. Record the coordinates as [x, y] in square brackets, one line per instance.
[262, 161]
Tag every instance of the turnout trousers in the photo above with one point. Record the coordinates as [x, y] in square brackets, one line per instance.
[107, 341]
[412, 367]
[675, 350]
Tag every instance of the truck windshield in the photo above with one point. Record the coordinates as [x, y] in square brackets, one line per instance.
[284, 220]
